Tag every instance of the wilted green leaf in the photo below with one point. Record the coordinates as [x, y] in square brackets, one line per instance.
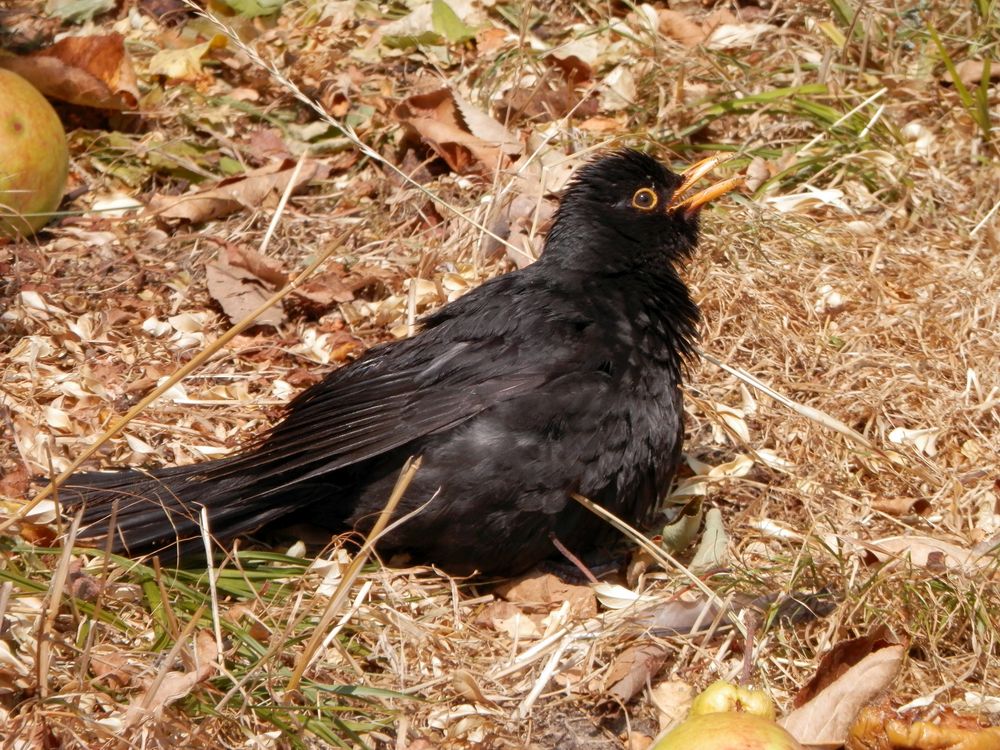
[678, 534]
[77, 11]
[254, 8]
[712, 550]
[412, 40]
[448, 24]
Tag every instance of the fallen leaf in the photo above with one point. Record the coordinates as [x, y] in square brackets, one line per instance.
[678, 26]
[266, 269]
[544, 592]
[239, 290]
[91, 71]
[731, 35]
[921, 551]
[77, 11]
[83, 585]
[253, 190]
[672, 700]
[577, 58]
[971, 72]
[851, 675]
[924, 440]
[447, 23]
[614, 596]
[468, 688]
[520, 627]
[175, 685]
[467, 139]
[902, 506]
[183, 64]
[114, 668]
[618, 90]
[600, 125]
[254, 8]
[712, 551]
[632, 670]
[493, 39]
[323, 292]
[800, 203]
[677, 535]
[494, 612]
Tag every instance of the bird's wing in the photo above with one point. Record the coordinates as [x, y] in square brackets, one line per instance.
[405, 390]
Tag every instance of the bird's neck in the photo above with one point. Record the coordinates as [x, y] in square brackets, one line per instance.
[649, 298]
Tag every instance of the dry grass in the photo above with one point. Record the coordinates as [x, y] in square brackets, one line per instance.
[882, 314]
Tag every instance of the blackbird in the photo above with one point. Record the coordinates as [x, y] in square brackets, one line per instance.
[560, 377]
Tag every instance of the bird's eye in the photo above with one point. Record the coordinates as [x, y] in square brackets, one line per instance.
[644, 199]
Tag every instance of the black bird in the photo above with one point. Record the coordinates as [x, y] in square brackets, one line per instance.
[561, 377]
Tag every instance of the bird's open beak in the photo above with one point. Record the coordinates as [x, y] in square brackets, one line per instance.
[692, 174]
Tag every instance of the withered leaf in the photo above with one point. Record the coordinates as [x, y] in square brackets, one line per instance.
[253, 190]
[240, 281]
[90, 71]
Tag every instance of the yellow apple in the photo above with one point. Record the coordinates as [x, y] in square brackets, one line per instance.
[34, 160]
[727, 730]
[724, 696]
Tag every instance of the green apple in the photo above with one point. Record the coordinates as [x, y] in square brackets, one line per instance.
[34, 160]
[724, 696]
[727, 730]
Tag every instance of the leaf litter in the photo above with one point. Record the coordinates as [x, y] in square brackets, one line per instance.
[858, 280]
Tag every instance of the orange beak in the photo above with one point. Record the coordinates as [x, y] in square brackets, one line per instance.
[692, 174]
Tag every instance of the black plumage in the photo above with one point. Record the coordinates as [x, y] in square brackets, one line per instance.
[561, 377]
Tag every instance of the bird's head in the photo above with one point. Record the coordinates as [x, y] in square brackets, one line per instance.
[626, 210]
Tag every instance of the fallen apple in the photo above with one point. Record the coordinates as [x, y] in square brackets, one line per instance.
[724, 696]
[727, 730]
[34, 160]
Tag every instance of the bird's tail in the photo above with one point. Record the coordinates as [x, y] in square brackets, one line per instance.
[161, 510]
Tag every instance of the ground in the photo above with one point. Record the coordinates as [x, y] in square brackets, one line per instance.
[855, 278]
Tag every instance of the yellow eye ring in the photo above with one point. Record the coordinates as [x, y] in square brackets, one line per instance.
[645, 199]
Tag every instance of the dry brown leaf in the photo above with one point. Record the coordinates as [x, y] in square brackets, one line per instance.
[600, 125]
[261, 187]
[672, 700]
[680, 27]
[83, 586]
[467, 687]
[175, 685]
[544, 592]
[15, 483]
[970, 72]
[467, 139]
[576, 59]
[495, 612]
[921, 551]
[114, 668]
[543, 103]
[633, 669]
[851, 675]
[234, 282]
[841, 658]
[266, 269]
[902, 506]
[492, 39]
[91, 71]
[324, 291]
